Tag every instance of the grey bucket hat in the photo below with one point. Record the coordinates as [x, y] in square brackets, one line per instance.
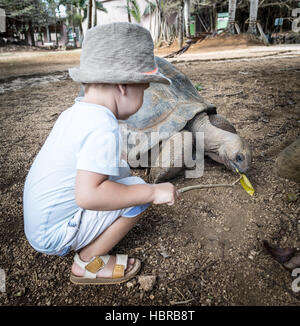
[117, 53]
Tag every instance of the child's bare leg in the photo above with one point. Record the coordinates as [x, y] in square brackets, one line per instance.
[104, 243]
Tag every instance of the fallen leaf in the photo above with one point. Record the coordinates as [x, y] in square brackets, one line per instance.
[291, 197]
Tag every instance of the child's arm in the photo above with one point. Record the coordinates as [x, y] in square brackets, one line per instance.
[94, 191]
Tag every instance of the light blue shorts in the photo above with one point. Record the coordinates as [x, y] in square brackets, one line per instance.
[87, 225]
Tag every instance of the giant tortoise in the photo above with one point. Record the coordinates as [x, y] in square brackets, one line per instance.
[168, 111]
[287, 164]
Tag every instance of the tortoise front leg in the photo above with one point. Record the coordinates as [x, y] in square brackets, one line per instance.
[170, 161]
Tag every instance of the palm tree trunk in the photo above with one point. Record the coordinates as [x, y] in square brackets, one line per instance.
[157, 25]
[214, 18]
[31, 33]
[128, 12]
[231, 19]
[253, 17]
[180, 26]
[187, 8]
[150, 18]
[79, 12]
[90, 9]
[94, 13]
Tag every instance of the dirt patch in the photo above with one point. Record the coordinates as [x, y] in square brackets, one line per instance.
[20, 48]
[220, 42]
[166, 49]
[37, 62]
[204, 250]
[226, 41]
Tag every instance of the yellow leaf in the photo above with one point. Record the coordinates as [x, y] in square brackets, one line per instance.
[246, 184]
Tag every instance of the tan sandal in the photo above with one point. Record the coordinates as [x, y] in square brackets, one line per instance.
[92, 267]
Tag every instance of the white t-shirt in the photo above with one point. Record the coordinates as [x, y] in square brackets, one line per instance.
[86, 137]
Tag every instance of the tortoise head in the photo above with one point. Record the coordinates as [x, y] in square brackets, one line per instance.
[234, 152]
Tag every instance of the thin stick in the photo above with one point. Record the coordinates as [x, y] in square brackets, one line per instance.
[183, 297]
[181, 302]
[208, 186]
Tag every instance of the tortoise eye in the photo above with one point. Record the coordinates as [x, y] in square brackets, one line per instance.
[239, 157]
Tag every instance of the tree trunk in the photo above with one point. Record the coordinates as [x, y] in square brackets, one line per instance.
[79, 12]
[56, 37]
[40, 35]
[180, 27]
[56, 34]
[187, 8]
[94, 13]
[150, 18]
[128, 12]
[231, 19]
[26, 35]
[157, 25]
[253, 17]
[214, 17]
[90, 11]
[48, 34]
[31, 32]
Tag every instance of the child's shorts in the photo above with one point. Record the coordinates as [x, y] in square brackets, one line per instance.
[87, 225]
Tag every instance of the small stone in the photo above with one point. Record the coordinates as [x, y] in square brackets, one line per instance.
[151, 297]
[147, 282]
[129, 285]
[226, 229]
[164, 252]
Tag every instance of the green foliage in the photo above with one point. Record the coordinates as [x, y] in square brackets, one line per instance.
[100, 6]
[35, 11]
[134, 10]
[198, 87]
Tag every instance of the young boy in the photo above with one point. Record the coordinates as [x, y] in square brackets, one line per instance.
[79, 194]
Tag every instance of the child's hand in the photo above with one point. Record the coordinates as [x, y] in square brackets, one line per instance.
[165, 193]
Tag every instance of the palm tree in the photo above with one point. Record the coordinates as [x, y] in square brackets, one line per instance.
[162, 10]
[253, 17]
[149, 9]
[133, 10]
[97, 6]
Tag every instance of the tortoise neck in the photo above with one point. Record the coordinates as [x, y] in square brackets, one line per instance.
[214, 137]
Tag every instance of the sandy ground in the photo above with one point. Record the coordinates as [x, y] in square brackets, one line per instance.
[204, 250]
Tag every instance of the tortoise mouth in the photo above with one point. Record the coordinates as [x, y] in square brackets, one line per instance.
[235, 167]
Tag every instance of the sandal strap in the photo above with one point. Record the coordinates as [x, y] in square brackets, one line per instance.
[93, 266]
[120, 266]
